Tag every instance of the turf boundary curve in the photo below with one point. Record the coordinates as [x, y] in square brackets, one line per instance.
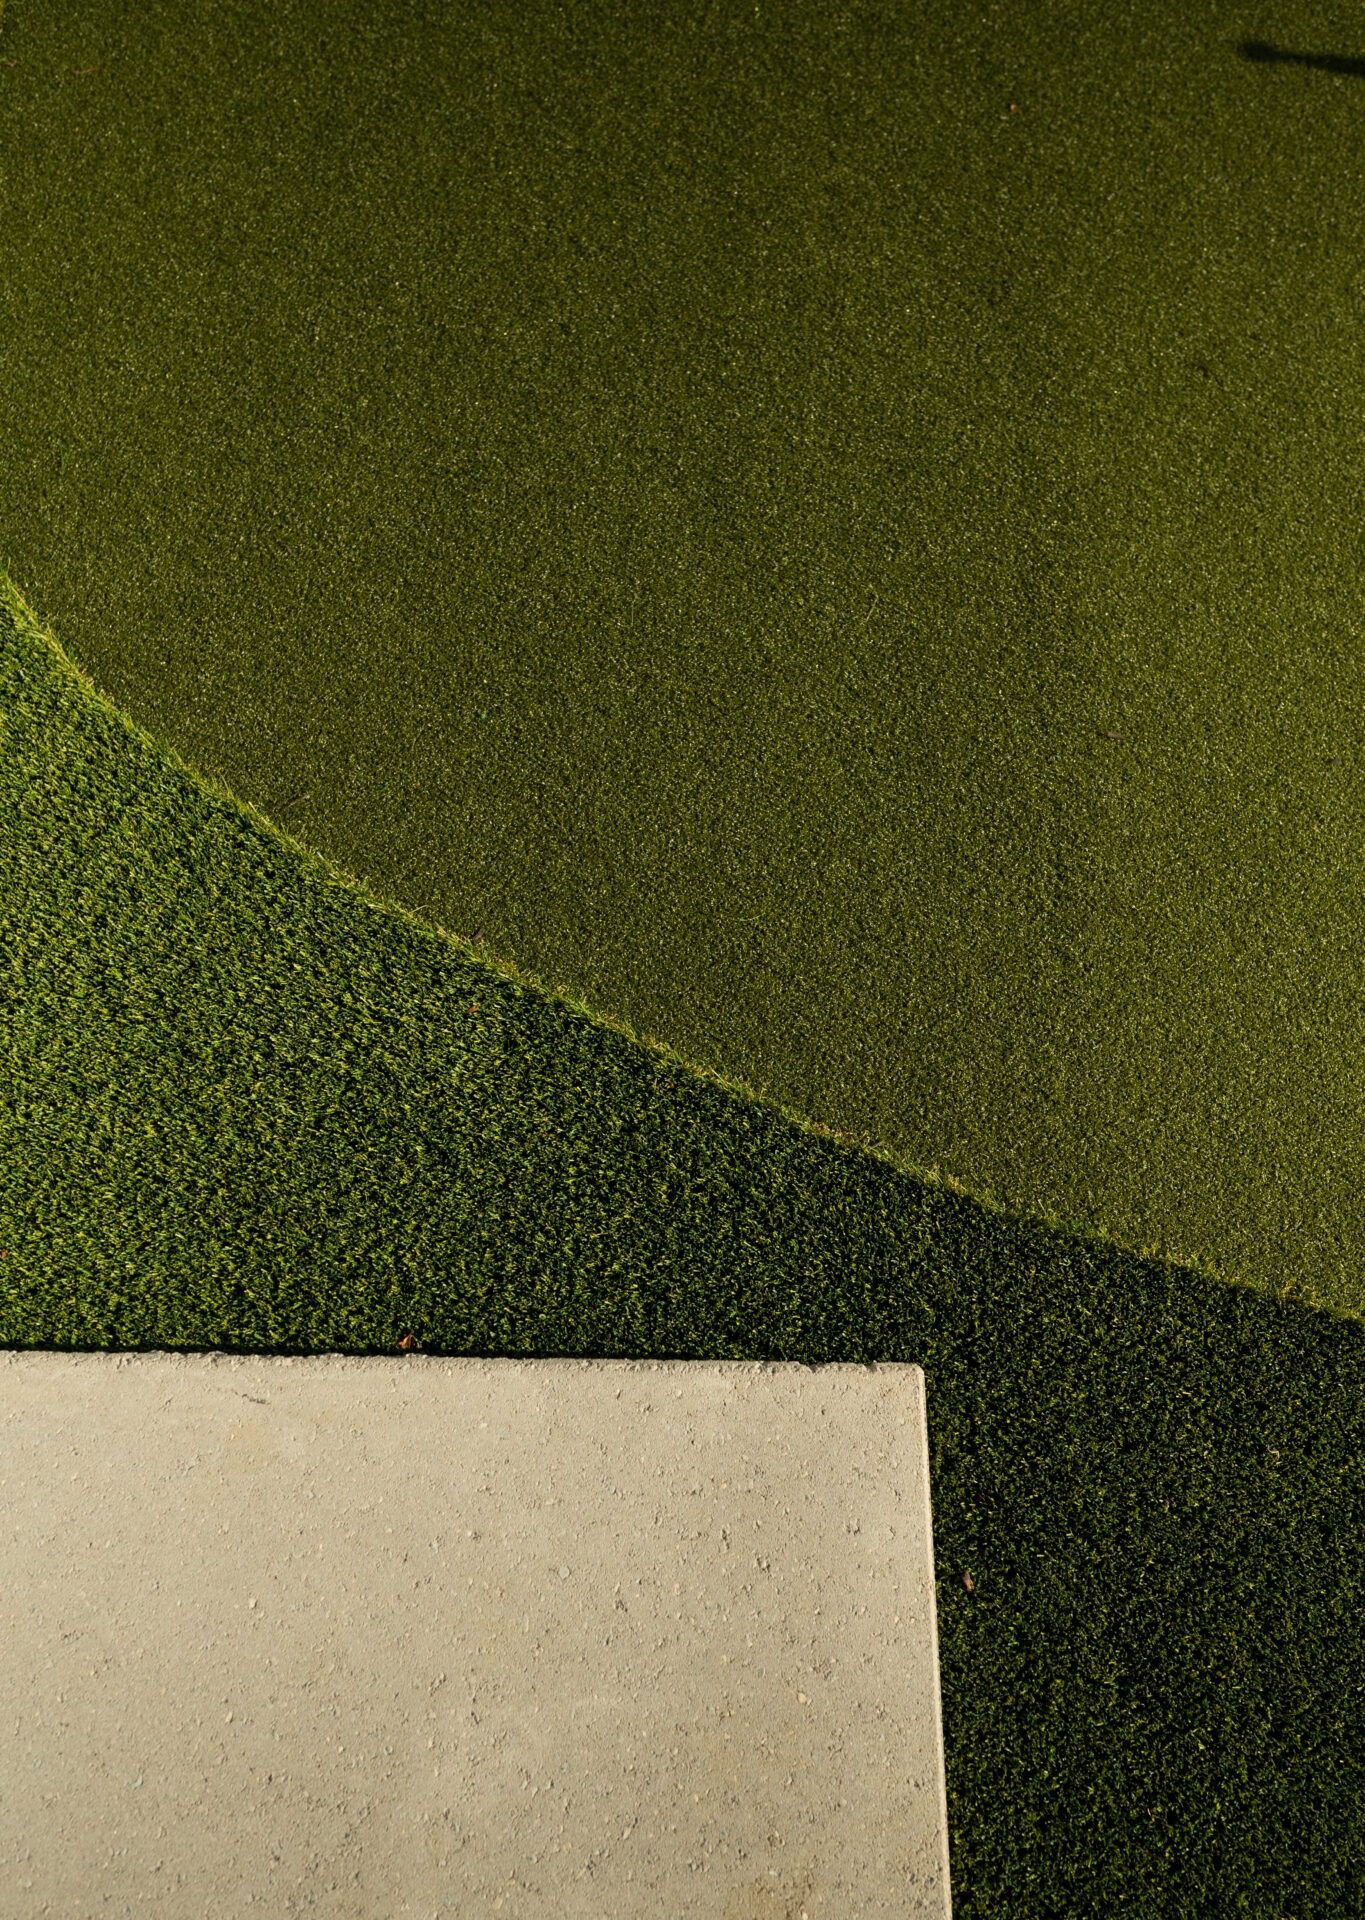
[28, 624]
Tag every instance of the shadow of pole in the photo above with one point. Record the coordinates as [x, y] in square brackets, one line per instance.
[1262, 52]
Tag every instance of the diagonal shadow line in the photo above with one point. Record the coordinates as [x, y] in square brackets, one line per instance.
[1263, 52]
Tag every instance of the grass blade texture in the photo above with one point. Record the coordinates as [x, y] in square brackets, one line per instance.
[834, 532]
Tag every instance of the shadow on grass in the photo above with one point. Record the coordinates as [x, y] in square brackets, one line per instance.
[1264, 54]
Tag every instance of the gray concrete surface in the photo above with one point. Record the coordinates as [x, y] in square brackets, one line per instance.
[369, 1638]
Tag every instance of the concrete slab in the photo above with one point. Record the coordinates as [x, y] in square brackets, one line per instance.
[465, 1637]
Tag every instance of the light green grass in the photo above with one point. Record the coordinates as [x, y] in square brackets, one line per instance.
[247, 1104]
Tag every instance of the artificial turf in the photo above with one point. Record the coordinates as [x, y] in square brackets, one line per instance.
[694, 489]
[696, 494]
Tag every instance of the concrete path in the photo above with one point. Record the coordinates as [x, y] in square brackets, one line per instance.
[371, 1638]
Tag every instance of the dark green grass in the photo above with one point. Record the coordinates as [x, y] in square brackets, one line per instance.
[693, 489]
[246, 1104]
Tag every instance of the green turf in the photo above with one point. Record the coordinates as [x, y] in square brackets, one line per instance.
[695, 496]
[693, 489]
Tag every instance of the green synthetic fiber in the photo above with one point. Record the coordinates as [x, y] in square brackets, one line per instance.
[693, 490]
[833, 532]
[249, 1106]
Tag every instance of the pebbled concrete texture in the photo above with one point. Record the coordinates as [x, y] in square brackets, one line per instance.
[368, 1637]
